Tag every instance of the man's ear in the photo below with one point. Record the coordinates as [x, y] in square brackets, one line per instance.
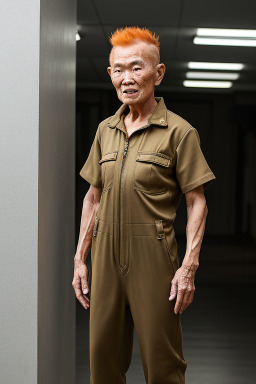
[109, 71]
[160, 73]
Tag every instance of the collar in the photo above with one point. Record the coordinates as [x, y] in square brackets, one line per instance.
[158, 117]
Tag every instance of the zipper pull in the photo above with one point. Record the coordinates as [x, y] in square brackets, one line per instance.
[95, 227]
[125, 146]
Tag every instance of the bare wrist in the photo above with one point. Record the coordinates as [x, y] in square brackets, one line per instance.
[191, 264]
[80, 259]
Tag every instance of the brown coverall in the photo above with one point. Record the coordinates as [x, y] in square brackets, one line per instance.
[134, 250]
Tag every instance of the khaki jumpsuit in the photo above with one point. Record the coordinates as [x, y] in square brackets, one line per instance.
[134, 250]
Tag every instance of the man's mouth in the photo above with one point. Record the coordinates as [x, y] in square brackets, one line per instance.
[130, 91]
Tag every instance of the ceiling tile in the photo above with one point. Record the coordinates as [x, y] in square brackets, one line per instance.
[219, 14]
[133, 12]
[188, 51]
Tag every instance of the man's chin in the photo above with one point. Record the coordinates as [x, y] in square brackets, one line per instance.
[129, 100]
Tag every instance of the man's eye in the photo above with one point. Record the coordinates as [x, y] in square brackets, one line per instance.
[117, 70]
[136, 68]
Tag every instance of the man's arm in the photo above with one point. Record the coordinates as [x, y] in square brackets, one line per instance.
[90, 207]
[196, 219]
[183, 281]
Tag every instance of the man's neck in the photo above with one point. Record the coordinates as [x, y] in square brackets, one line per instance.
[140, 113]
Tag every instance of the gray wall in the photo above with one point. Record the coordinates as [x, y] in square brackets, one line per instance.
[19, 101]
[37, 125]
[56, 310]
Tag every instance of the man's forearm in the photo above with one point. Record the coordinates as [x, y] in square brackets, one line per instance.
[195, 228]
[86, 229]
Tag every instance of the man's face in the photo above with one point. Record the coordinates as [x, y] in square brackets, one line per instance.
[135, 71]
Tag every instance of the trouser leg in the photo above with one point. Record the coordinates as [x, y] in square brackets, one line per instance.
[111, 324]
[148, 284]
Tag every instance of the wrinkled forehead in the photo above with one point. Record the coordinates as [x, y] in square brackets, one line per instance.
[145, 51]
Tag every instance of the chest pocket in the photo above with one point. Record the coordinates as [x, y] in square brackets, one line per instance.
[152, 171]
[108, 162]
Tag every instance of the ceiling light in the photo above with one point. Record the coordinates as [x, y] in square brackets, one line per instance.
[226, 32]
[226, 42]
[78, 37]
[207, 84]
[212, 75]
[219, 66]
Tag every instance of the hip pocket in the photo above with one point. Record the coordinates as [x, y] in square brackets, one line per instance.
[168, 254]
[161, 236]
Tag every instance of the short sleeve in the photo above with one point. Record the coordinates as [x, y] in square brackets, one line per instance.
[91, 170]
[192, 168]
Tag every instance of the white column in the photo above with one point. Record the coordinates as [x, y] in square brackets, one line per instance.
[37, 200]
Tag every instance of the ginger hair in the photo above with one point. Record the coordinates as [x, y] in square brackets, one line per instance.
[127, 35]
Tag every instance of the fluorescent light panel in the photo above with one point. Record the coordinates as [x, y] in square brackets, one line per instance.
[226, 42]
[212, 75]
[216, 66]
[226, 32]
[207, 84]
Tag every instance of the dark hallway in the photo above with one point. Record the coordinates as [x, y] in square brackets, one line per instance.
[218, 327]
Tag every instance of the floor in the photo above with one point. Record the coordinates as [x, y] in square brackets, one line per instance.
[219, 336]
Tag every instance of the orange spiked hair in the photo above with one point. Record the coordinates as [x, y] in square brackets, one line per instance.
[125, 36]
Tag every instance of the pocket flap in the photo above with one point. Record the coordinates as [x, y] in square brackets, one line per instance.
[108, 156]
[155, 157]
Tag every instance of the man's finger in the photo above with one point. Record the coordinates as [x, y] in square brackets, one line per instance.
[179, 300]
[173, 290]
[84, 285]
[186, 300]
[79, 296]
[82, 301]
[191, 298]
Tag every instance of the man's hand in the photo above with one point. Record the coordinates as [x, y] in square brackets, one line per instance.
[183, 283]
[91, 205]
[80, 282]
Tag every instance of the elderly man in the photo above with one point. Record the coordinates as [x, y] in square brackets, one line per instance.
[141, 161]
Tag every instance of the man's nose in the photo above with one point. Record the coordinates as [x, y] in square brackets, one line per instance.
[127, 77]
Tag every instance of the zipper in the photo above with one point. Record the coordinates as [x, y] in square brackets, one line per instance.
[120, 192]
[126, 145]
